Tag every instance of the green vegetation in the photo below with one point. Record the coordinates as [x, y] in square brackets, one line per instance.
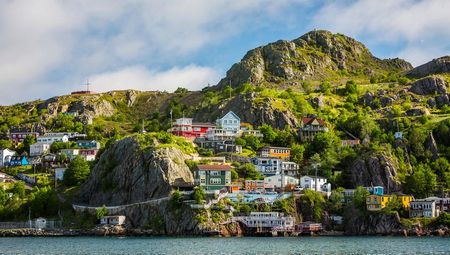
[77, 172]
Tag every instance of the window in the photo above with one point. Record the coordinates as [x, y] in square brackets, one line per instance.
[215, 173]
[215, 181]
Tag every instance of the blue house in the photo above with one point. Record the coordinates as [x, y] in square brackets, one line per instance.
[18, 161]
[376, 190]
[230, 122]
[88, 144]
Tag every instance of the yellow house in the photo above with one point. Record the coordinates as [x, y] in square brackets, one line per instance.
[377, 202]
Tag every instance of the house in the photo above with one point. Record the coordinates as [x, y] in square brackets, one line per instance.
[88, 144]
[230, 122]
[59, 173]
[268, 221]
[378, 202]
[113, 220]
[18, 134]
[246, 129]
[280, 182]
[219, 146]
[254, 185]
[70, 153]
[40, 223]
[37, 149]
[214, 134]
[267, 166]
[235, 187]
[19, 161]
[283, 153]
[212, 177]
[88, 154]
[48, 160]
[375, 190]
[351, 140]
[290, 168]
[310, 127]
[53, 137]
[315, 183]
[424, 208]
[5, 156]
[186, 128]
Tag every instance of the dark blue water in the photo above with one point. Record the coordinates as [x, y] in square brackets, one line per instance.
[243, 245]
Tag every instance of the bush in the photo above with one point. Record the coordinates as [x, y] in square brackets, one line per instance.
[77, 172]
[199, 195]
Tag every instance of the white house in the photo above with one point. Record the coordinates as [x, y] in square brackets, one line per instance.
[317, 184]
[38, 149]
[5, 156]
[279, 181]
[53, 137]
[425, 208]
[59, 173]
[230, 122]
[70, 153]
[267, 166]
[290, 168]
[113, 220]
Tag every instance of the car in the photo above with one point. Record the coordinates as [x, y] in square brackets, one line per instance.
[298, 188]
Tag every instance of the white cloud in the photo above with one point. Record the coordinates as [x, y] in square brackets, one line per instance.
[140, 78]
[421, 26]
[48, 43]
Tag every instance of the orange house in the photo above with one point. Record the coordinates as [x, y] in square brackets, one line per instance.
[254, 185]
[276, 152]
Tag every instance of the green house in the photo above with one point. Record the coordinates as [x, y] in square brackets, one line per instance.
[213, 177]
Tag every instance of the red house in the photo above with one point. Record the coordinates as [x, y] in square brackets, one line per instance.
[186, 128]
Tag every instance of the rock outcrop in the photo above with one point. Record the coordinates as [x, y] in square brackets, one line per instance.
[376, 170]
[315, 55]
[431, 146]
[435, 66]
[374, 224]
[429, 86]
[127, 173]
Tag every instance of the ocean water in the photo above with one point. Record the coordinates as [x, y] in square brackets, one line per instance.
[234, 245]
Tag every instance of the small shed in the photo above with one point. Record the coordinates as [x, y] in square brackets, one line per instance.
[113, 220]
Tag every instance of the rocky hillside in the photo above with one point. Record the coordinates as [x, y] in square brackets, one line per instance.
[135, 169]
[314, 56]
[435, 66]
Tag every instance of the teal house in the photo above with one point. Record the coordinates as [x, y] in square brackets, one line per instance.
[88, 144]
[212, 177]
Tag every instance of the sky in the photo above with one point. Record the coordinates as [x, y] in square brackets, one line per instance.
[51, 47]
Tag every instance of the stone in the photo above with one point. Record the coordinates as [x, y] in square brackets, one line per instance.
[442, 100]
[385, 101]
[429, 86]
[417, 112]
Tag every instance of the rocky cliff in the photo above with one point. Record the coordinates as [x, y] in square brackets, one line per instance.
[315, 55]
[252, 111]
[435, 66]
[375, 170]
[373, 224]
[129, 172]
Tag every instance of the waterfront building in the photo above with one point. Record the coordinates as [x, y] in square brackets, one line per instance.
[113, 220]
[378, 202]
[423, 208]
[212, 177]
[268, 221]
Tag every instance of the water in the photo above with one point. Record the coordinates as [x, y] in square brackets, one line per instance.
[235, 245]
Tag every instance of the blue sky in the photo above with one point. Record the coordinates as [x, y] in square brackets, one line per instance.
[50, 47]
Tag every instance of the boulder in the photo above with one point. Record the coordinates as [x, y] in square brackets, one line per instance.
[442, 100]
[385, 101]
[417, 112]
[431, 102]
[429, 86]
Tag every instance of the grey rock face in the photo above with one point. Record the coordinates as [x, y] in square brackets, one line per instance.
[430, 145]
[126, 173]
[376, 171]
[436, 66]
[429, 86]
[442, 100]
[374, 224]
[385, 101]
[131, 96]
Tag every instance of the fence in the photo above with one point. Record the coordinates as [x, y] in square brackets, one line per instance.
[50, 224]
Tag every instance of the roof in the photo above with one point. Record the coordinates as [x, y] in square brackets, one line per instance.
[232, 113]
[272, 147]
[214, 167]
[310, 176]
[87, 141]
[203, 124]
[307, 121]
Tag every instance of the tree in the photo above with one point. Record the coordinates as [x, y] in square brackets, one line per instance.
[325, 87]
[18, 189]
[313, 203]
[336, 200]
[100, 212]
[360, 197]
[199, 195]
[297, 151]
[248, 171]
[307, 87]
[77, 172]
[43, 202]
[351, 87]
[176, 200]
[269, 134]
[422, 182]
[227, 91]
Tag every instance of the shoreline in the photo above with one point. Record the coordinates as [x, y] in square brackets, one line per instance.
[146, 233]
